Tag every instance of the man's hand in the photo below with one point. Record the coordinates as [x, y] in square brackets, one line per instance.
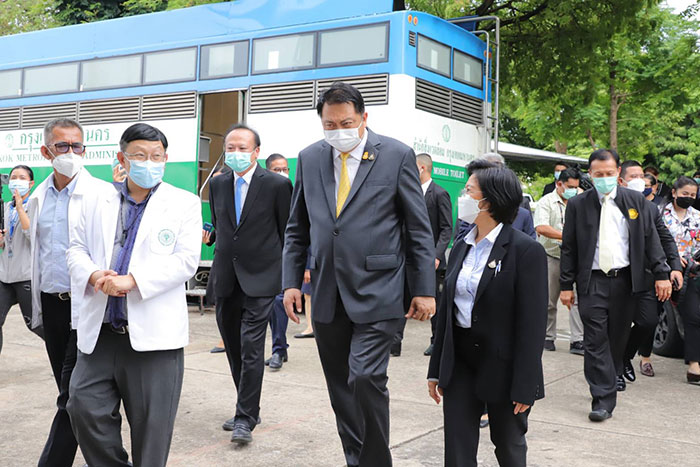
[421, 308]
[437, 263]
[307, 276]
[519, 408]
[678, 276]
[684, 262]
[291, 298]
[206, 236]
[435, 391]
[567, 298]
[116, 286]
[663, 290]
[118, 174]
[97, 275]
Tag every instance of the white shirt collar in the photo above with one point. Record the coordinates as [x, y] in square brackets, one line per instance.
[248, 175]
[611, 195]
[470, 239]
[426, 185]
[357, 152]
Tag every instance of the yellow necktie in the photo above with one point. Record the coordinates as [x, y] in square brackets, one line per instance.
[343, 184]
[605, 254]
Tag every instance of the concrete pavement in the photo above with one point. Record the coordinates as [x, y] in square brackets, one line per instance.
[656, 422]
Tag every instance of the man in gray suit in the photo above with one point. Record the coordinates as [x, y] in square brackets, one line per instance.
[355, 195]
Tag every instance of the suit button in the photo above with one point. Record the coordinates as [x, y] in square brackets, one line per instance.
[476, 346]
[475, 319]
[336, 232]
[235, 238]
[235, 258]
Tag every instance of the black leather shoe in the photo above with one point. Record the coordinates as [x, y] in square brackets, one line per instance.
[217, 350]
[576, 348]
[620, 384]
[395, 350]
[692, 378]
[275, 362]
[231, 422]
[241, 433]
[483, 423]
[628, 371]
[284, 359]
[429, 351]
[599, 415]
[549, 345]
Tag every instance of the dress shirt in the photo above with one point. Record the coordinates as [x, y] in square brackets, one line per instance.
[16, 257]
[471, 272]
[426, 185]
[621, 241]
[53, 238]
[550, 211]
[685, 231]
[353, 162]
[244, 189]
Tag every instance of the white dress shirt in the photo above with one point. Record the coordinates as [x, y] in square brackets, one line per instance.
[621, 235]
[353, 162]
[471, 272]
[426, 185]
[246, 178]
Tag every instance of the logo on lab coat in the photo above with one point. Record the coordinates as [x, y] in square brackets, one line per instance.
[166, 237]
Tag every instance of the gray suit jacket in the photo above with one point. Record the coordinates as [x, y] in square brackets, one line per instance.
[381, 238]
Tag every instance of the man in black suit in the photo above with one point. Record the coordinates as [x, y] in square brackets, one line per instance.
[609, 238]
[559, 167]
[358, 204]
[249, 209]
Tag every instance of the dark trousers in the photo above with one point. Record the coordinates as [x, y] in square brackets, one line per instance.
[462, 409]
[242, 323]
[11, 294]
[439, 280]
[149, 385]
[646, 317]
[606, 312]
[689, 309]
[60, 342]
[278, 326]
[354, 357]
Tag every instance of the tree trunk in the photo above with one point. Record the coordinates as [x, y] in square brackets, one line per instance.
[560, 146]
[614, 107]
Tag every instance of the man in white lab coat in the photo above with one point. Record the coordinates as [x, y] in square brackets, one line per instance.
[131, 255]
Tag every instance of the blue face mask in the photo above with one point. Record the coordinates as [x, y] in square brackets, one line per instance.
[646, 192]
[22, 186]
[570, 193]
[238, 161]
[146, 174]
[605, 185]
[556, 174]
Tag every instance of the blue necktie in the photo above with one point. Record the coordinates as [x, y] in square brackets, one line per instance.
[239, 198]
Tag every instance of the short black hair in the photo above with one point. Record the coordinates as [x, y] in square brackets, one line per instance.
[243, 126]
[651, 178]
[604, 155]
[562, 163]
[696, 174]
[501, 188]
[652, 169]
[142, 131]
[23, 167]
[341, 93]
[272, 158]
[481, 164]
[626, 165]
[568, 174]
[683, 181]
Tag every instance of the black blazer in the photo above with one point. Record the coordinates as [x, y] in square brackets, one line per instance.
[508, 320]
[437, 200]
[250, 252]
[580, 236]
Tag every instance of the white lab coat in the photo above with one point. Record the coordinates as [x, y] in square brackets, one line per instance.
[85, 187]
[166, 255]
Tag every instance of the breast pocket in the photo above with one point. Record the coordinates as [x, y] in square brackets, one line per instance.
[163, 239]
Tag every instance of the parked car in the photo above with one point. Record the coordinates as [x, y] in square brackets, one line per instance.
[669, 334]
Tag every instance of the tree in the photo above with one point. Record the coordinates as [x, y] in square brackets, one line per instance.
[25, 15]
[85, 11]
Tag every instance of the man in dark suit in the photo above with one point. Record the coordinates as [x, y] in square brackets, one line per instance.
[559, 167]
[609, 238]
[249, 209]
[358, 204]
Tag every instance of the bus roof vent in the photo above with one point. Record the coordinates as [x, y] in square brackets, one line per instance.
[166, 106]
[107, 111]
[467, 108]
[37, 116]
[9, 118]
[283, 96]
[432, 98]
[374, 88]
[412, 38]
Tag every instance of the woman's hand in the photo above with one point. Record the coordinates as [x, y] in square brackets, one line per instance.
[435, 391]
[206, 236]
[18, 200]
[519, 408]
[307, 276]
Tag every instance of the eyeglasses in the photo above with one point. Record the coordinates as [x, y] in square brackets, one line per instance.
[140, 157]
[63, 148]
[281, 169]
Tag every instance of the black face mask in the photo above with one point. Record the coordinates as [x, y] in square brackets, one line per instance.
[684, 202]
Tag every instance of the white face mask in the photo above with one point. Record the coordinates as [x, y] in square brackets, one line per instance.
[468, 208]
[636, 184]
[67, 164]
[284, 174]
[345, 139]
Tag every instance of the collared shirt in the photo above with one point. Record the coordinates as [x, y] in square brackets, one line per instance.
[426, 185]
[246, 178]
[685, 231]
[619, 234]
[53, 239]
[16, 256]
[550, 211]
[353, 162]
[471, 272]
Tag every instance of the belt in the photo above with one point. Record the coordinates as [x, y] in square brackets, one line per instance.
[63, 296]
[613, 272]
[122, 330]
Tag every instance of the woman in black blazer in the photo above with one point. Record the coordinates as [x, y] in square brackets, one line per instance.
[491, 323]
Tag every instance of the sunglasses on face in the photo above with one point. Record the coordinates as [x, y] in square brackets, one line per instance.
[63, 148]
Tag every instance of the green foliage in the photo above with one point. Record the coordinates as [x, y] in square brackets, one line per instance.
[26, 15]
[84, 11]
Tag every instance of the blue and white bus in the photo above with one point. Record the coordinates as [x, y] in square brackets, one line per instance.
[193, 72]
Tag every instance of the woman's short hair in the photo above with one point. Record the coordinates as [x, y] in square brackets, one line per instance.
[501, 188]
[27, 169]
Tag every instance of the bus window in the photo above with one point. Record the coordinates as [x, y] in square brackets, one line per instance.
[111, 72]
[433, 56]
[51, 79]
[170, 66]
[283, 53]
[224, 60]
[10, 83]
[468, 70]
[365, 44]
